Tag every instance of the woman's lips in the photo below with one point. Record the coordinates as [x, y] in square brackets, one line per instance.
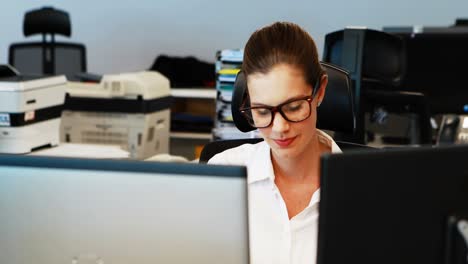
[284, 142]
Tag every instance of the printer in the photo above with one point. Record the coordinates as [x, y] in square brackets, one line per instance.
[30, 109]
[131, 110]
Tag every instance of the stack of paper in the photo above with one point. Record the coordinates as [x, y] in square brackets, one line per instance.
[91, 151]
[227, 66]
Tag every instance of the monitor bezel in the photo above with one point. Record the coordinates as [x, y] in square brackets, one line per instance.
[120, 165]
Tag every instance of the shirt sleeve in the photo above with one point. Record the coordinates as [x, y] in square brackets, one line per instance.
[218, 159]
[234, 156]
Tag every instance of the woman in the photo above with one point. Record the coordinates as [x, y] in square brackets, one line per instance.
[285, 86]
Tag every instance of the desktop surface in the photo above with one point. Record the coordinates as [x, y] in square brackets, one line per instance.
[392, 206]
[59, 210]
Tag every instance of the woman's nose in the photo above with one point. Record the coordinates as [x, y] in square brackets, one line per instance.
[279, 123]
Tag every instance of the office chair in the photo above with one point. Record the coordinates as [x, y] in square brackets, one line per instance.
[377, 65]
[335, 113]
[47, 57]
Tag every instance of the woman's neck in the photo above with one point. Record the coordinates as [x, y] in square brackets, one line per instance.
[300, 169]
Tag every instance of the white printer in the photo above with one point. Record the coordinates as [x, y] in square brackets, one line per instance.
[131, 110]
[30, 109]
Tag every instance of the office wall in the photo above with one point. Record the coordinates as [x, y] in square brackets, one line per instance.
[127, 35]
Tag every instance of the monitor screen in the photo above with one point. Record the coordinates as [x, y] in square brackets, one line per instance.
[61, 210]
[436, 67]
[436, 64]
[394, 206]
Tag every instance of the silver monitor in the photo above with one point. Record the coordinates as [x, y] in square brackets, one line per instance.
[61, 210]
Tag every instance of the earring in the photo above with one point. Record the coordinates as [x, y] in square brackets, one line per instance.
[319, 103]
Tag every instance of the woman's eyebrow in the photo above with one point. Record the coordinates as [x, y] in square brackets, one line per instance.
[287, 100]
[259, 104]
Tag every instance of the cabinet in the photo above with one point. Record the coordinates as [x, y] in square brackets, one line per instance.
[191, 112]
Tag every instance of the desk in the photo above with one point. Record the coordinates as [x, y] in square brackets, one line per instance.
[77, 150]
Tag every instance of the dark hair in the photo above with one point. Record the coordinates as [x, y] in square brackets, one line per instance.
[278, 43]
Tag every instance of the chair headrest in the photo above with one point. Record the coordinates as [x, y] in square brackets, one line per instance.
[336, 113]
[46, 20]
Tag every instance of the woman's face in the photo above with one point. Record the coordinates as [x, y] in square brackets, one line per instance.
[284, 82]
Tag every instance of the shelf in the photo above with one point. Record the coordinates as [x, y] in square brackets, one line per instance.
[204, 93]
[191, 135]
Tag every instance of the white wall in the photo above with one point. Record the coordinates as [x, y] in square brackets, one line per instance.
[128, 35]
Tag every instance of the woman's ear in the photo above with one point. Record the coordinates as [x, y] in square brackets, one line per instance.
[321, 92]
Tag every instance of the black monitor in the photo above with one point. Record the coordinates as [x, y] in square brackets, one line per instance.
[61, 210]
[394, 206]
[437, 67]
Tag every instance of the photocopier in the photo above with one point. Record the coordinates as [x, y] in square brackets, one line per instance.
[131, 110]
[30, 109]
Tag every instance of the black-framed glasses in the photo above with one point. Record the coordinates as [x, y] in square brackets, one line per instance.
[294, 110]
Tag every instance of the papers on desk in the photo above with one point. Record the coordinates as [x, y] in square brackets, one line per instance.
[228, 65]
[232, 55]
[225, 96]
[231, 71]
[224, 114]
[84, 151]
[227, 75]
[227, 78]
[227, 133]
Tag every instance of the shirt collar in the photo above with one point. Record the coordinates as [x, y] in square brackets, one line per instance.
[261, 167]
[334, 147]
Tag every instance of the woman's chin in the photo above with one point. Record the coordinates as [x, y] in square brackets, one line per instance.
[284, 153]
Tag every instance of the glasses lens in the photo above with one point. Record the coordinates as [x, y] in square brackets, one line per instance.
[296, 111]
[258, 117]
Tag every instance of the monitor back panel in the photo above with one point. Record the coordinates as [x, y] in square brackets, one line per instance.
[63, 215]
[390, 206]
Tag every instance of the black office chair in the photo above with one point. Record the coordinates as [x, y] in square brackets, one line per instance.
[377, 65]
[47, 57]
[335, 113]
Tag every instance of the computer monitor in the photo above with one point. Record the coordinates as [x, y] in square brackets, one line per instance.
[436, 67]
[59, 210]
[395, 206]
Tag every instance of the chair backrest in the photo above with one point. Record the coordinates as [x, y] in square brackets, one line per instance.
[6, 71]
[336, 113]
[35, 58]
[47, 57]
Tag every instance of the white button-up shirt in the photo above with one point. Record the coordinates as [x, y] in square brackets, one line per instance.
[274, 238]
